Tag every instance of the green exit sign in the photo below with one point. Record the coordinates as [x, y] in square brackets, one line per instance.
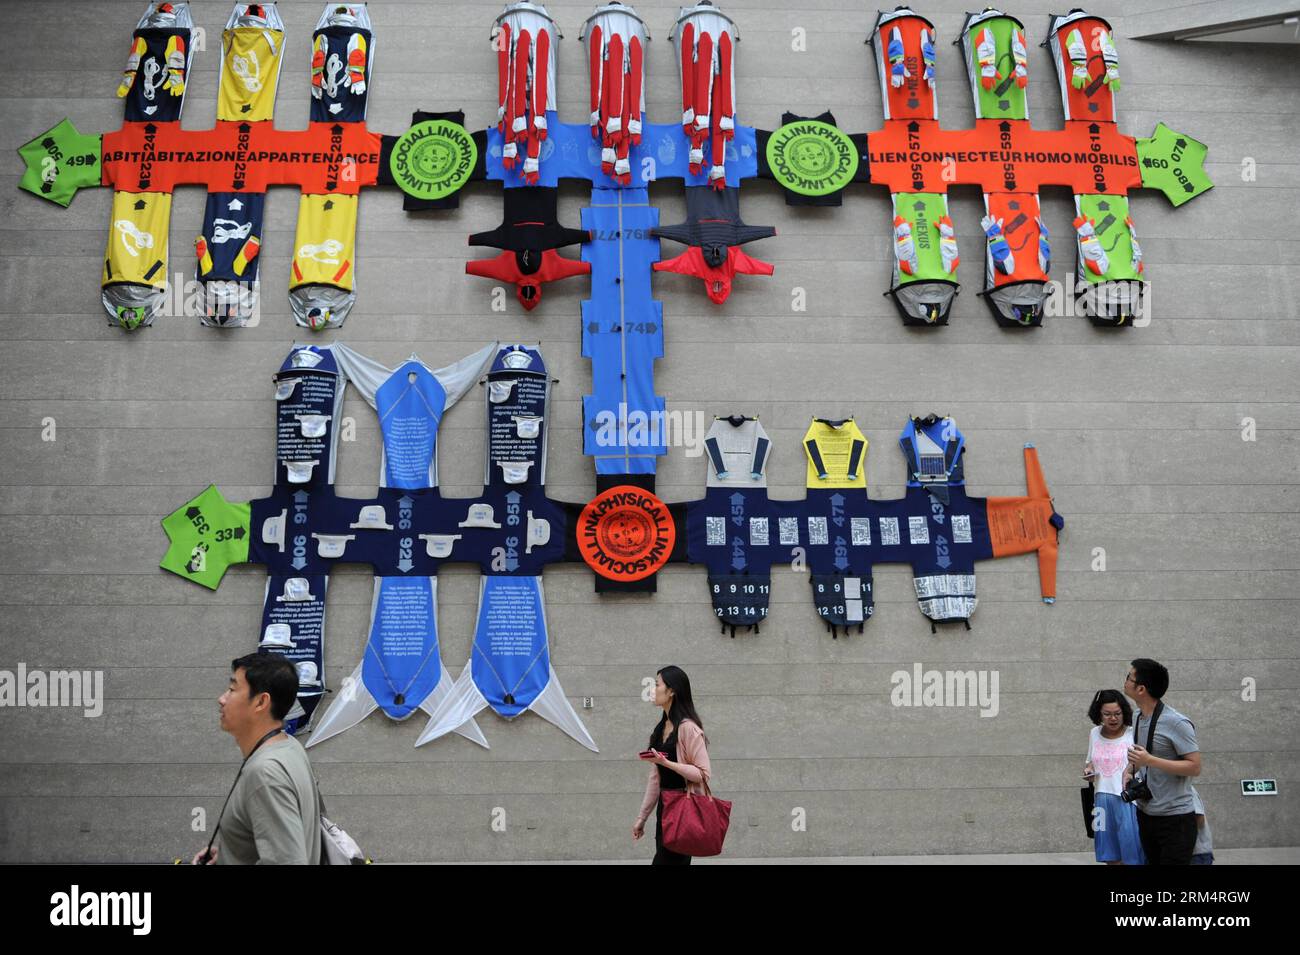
[1259, 787]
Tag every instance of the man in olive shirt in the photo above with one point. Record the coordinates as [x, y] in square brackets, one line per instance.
[1166, 821]
[273, 814]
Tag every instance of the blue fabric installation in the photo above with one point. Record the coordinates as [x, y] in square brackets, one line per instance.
[622, 334]
[511, 662]
[410, 405]
[620, 154]
[510, 667]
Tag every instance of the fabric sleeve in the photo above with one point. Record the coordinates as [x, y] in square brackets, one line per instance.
[1087, 755]
[277, 820]
[762, 444]
[1182, 737]
[694, 758]
[651, 794]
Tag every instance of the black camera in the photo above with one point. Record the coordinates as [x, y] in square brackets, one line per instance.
[1136, 789]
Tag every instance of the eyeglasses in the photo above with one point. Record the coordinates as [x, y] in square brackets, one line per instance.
[1128, 678]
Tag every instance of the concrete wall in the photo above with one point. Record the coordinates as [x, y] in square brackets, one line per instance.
[1140, 434]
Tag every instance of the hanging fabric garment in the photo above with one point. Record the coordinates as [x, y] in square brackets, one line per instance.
[321, 272]
[904, 247]
[732, 530]
[836, 543]
[1078, 54]
[933, 448]
[252, 52]
[714, 231]
[717, 278]
[510, 668]
[837, 454]
[401, 669]
[986, 54]
[524, 37]
[1109, 279]
[343, 50]
[157, 66]
[997, 64]
[737, 448]
[1083, 66]
[903, 43]
[134, 278]
[308, 402]
[528, 271]
[923, 284]
[1020, 57]
[999, 251]
[898, 72]
[528, 236]
[705, 40]
[1109, 56]
[1091, 255]
[1017, 256]
[227, 256]
[616, 39]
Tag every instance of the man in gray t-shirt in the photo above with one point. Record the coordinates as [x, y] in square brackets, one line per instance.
[1166, 821]
[272, 816]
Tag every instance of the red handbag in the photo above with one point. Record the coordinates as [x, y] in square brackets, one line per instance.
[694, 825]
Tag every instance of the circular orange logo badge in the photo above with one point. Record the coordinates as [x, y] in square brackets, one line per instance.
[626, 533]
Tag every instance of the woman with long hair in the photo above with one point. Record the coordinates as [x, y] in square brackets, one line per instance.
[1114, 825]
[678, 756]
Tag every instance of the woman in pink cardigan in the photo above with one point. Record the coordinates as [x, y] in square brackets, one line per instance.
[680, 759]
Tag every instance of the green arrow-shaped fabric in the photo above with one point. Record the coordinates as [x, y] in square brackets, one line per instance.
[1174, 164]
[207, 535]
[60, 162]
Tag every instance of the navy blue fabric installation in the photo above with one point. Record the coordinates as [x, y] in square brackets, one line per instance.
[838, 535]
[340, 64]
[232, 231]
[149, 99]
[406, 532]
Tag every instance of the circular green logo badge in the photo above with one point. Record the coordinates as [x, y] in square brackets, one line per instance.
[431, 160]
[812, 158]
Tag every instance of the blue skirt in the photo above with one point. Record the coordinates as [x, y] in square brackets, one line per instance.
[1116, 831]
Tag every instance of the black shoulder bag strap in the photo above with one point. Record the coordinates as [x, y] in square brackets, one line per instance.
[1151, 730]
[207, 853]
